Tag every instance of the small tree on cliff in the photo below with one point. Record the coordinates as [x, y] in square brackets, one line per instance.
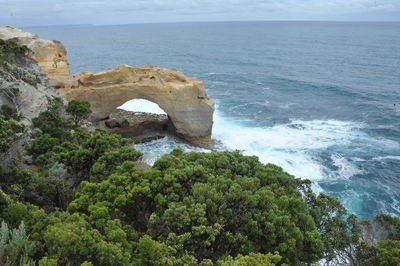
[9, 130]
[79, 110]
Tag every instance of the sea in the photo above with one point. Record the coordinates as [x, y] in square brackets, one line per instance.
[319, 99]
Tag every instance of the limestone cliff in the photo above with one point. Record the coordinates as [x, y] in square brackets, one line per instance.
[184, 99]
[51, 56]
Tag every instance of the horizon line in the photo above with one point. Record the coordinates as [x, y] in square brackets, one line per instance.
[205, 21]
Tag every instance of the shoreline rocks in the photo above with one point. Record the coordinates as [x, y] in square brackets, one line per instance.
[141, 127]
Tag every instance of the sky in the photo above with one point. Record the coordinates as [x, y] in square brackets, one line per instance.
[23, 13]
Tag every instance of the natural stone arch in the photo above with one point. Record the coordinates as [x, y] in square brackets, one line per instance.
[184, 99]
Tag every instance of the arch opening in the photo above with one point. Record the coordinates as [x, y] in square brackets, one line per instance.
[142, 105]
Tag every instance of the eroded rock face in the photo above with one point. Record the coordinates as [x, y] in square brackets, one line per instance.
[184, 99]
[139, 126]
[26, 87]
[51, 56]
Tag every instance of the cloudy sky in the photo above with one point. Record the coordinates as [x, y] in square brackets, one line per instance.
[100, 12]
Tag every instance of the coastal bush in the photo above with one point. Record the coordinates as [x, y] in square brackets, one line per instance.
[253, 259]
[11, 52]
[83, 201]
[7, 46]
[16, 65]
[106, 164]
[9, 130]
[9, 112]
[15, 246]
[79, 110]
[77, 150]
[383, 247]
[24, 185]
[193, 208]
[340, 231]
[52, 122]
[201, 205]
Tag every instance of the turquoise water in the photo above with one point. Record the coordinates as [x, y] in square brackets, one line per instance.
[320, 99]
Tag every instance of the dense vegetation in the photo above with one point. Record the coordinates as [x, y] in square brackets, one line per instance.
[16, 67]
[11, 52]
[10, 49]
[78, 198]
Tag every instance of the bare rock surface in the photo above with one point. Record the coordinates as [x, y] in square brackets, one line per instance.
[51, 56]
[139, 126]
[23, 84]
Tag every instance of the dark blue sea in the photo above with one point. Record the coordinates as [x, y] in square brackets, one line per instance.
[320, 99]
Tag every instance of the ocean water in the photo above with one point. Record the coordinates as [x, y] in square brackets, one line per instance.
[320, 99]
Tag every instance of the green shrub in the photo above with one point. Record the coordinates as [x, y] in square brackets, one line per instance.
[48, 262]
[9, 112]
[79, 110]
[15, 246]
[10, 46]
[202, 205]
[9, 130]
[51, 121]
[253, 259]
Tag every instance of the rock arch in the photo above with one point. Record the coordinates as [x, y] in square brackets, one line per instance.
[184, 99]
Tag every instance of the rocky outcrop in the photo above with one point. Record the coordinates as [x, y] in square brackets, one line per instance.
[23, 84]
[51, 56]
[184, 99]
[141, 127]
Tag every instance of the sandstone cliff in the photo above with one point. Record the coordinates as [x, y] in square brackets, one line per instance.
[184, 99]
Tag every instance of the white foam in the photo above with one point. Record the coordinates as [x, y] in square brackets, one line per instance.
[394, 208]
[154, 149]
[293, 146]
[141, 105]
[346, 169]
[395, 205]
[380, 158]
[290, 146]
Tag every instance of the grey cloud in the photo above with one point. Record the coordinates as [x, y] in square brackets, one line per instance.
[36, 12]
